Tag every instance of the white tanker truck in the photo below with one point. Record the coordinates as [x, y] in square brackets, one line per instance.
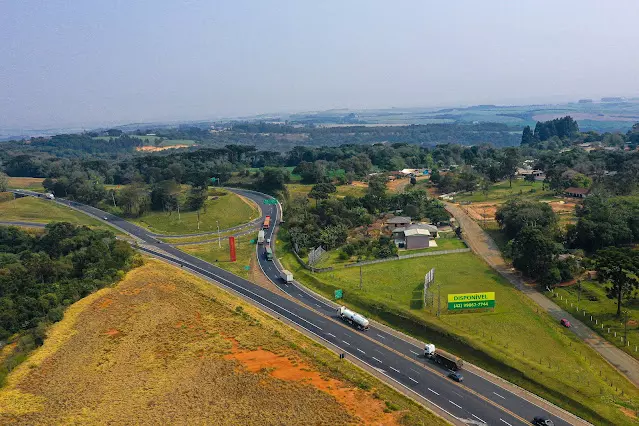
[352, 318]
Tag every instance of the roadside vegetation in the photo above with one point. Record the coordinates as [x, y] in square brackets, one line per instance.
[164, 344]
[559, 367]
[221, 257]
[30, 209]
[43, 273]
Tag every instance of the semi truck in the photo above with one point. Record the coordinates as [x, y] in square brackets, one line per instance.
[287, 276]
[443, 358]
[260, 237]
[352, 318]
[267, 222]
[268, 253]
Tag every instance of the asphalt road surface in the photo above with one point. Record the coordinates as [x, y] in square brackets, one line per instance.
[476, 401]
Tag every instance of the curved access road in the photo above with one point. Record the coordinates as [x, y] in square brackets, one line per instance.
[399, 362]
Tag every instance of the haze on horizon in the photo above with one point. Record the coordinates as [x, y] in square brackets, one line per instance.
[72, 63]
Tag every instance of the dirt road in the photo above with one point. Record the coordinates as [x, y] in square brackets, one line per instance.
[481, 243]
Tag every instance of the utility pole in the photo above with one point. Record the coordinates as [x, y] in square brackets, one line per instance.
[219, 239]
[578, 293]
[198, 220]
[625, 328]
[360, 277]
[439, 298]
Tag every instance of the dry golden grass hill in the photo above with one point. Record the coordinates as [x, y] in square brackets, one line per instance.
[165, 347]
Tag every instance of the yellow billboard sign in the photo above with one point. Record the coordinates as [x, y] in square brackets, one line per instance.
[471, 300]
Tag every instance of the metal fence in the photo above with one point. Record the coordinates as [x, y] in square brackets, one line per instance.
[408, 256]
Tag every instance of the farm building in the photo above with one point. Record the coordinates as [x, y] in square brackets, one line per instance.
[415, 236]
[398, 222]
[577, 192]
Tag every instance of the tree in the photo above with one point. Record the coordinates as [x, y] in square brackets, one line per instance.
[134, 199]
[509, 163]
[413, 180]
[527, 137]
[321, 191]
[533, 252]
[196, 199]
[620, 267]
[272, 179]
[515, 215]
[4, 182]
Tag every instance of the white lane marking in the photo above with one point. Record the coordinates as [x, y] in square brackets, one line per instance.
[505, 422]
[361, 351]
[412, 369]
[317, 305]
[301, 295]
[331, 334]
[381, 336]
[377, 360]
[499, 395]
[415, 352]
[477, 418]
[394, 369]
[414, 380]
[346, 342]
[456, 405]
[436, 393]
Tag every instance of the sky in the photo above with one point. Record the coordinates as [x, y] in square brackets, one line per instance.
[93, 63]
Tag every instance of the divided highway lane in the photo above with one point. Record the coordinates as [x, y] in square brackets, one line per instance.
[488, 390]
[372, 347]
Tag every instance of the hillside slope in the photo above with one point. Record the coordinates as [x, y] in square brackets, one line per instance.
[166, 347]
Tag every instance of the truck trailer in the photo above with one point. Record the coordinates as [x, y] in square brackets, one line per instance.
[287, 276]
[443, 358]
[352, 318]
[49, 196]
[260, 237]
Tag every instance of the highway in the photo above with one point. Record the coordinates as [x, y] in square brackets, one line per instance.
[476, 401]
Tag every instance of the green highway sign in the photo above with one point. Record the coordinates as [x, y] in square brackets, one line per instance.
[246, 268]
[252, 241]
[270, 201]
[458, 302]
[339, 294]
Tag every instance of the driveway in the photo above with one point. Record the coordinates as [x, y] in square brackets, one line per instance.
[481, 243]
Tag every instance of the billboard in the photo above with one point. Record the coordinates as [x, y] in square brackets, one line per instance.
[462, 301]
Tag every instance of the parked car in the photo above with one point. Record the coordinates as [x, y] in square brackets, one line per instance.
[542, 421]
[565, 323]
[456, 376]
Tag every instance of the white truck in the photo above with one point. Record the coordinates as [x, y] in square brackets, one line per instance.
[49, 196]
[352, 318]
[449, 361]
[287, 276]
[260, 237]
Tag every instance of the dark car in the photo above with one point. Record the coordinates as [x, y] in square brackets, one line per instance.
[542, 421]
[456, 376]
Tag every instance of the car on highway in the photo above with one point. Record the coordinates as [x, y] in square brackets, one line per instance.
[105, 218]
[268, 241]
[565, 323]
[456, 376]
[542, 421]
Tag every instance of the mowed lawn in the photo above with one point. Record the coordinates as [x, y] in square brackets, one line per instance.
[29, 183]
[228, 209]
[221, 256]
[516, 333]
[29, 209]
[594, 301]
[501, 191]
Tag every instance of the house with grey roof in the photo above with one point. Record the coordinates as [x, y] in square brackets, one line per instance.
[398, 222]
[415, 236]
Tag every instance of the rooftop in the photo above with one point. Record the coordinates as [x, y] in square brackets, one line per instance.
[572, 190]
[399, 219]
[416, 231]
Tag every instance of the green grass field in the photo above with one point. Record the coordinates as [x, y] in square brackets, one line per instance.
[301, 190]
[229, 209]
[501, 191]
[557, 366]
[594, 301]
[31, 184]
[29, 209]
[212, 253]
